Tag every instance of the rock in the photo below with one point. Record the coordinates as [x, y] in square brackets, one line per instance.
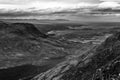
[101, 63]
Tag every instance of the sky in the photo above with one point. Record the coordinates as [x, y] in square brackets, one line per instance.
[43, 4]
[43, 9]
[56, 3]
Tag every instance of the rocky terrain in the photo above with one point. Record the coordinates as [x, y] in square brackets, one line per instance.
[70, 52]
[98, 63]
[101, 63]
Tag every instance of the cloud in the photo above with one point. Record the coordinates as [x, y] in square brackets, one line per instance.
[28, 1]
[14, 2]
[57, 3]
[110, 0]
[27, 8]
[108, 4]
[45, 4]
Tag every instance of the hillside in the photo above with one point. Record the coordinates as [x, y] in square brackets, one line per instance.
[100, 63]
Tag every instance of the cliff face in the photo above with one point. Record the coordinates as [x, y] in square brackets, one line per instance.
[99, 63]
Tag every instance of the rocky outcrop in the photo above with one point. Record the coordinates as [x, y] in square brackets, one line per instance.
[99, 63]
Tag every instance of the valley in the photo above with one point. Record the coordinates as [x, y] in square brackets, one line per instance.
[50, 51]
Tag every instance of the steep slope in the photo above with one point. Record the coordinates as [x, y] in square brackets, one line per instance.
[98, 63]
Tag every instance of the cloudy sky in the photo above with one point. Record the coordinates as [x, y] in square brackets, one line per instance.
[56, 3]
[73, 9]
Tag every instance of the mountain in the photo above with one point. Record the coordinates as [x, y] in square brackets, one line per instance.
[27, 52]
[23, 43]
[26, 29]
[99, 63]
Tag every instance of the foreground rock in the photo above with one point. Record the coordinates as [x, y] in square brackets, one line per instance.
[99, 63]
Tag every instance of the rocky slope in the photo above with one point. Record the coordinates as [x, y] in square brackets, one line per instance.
[98, 63]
